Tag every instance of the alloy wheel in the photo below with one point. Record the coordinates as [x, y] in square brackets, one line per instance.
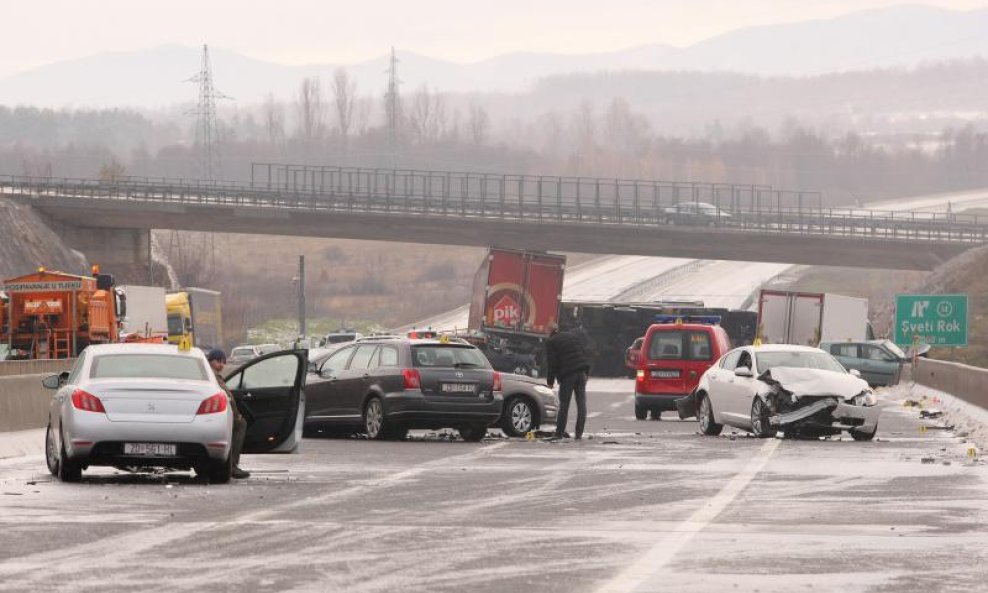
[374, 418]
[521, 417]
[705, 414]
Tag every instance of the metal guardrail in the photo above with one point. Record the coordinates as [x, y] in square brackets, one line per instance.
[521, 198]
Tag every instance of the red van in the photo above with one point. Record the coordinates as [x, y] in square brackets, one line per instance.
[673, 357]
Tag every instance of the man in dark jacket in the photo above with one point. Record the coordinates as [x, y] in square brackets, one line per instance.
[217, 360]
[567, 362]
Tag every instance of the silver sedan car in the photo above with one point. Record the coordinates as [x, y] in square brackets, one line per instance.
[151, 405]
[528, 404]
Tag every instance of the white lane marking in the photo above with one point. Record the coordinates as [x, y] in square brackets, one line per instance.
[662, 551]
[616, 405]
[593, 414]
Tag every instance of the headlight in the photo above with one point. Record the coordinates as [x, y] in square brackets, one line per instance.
[865, 398]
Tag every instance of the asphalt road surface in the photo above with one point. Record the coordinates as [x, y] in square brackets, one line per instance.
[642, 506]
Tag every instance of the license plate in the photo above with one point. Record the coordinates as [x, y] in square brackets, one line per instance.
[666, 374]
[457, 388]
[150, 449]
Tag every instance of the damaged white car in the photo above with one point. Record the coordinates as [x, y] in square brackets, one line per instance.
[800, 391]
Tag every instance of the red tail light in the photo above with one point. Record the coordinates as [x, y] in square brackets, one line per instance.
[82, 400]
[640, 375]
[497, 381]
[413, 380]
[214, 404]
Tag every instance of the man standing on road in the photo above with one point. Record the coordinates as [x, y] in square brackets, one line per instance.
[217, 360]
[567, 362]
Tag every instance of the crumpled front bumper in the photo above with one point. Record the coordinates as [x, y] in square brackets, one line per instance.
[846, 416]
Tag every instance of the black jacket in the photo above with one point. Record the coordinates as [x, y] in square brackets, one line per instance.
[565, 354]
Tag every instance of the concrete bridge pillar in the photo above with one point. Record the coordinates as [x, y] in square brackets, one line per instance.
[118, 251]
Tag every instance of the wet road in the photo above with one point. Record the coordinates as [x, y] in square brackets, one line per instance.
[643, 506]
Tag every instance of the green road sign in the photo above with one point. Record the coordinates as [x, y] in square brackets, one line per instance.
[935, 319]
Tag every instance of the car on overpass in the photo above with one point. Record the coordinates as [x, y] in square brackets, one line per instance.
[382, 387]
[138, 406]
[695, 213]
[798, 390]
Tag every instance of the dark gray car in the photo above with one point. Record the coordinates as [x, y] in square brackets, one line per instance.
[384, 387]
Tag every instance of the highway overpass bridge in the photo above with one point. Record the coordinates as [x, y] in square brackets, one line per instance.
[110, 220]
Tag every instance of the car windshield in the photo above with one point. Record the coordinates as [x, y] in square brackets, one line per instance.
[797, 359]
[148, 366]
[175, 325]
[448, 356]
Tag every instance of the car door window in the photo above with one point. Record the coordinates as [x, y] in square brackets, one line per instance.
[872, 353]
[387, 356]
[279, 371]
[731, 361]
[845, 350]
[745, 361]
[336, 362]
[361, 359]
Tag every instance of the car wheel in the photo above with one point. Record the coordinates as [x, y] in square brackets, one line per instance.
[397, 433]
[68, 470]
[706, 416]
[375, 424]
[51, 451]
[760, 425]
[641, 412]
[860, 435]
[473, 433]
[519, 417]
[656, 414]
[219, 472]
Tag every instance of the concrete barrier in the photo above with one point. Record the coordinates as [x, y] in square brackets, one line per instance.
[23, 402]
[960, 380]
[34, 367]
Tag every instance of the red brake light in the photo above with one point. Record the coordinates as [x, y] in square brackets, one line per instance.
[497, 381]
[214, 404]
[413, 380]
[82, 400]
[640, 375]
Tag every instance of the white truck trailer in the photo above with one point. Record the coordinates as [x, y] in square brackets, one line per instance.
[808, 318]
[143, 314]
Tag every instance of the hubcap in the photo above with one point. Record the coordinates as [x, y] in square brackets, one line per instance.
[373, 418]
[50, 449]
[704, 413]
[756, 416]
[521, 417]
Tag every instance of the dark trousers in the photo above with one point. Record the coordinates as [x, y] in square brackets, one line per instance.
[239, 432]
[574, 383]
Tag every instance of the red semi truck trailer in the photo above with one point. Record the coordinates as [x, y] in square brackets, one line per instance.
[516, 299]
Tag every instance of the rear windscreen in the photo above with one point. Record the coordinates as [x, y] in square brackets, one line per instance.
[148, 366]
[680, 345]
[449, 357]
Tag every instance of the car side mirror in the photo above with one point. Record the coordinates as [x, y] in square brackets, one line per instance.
[856, 373]
[53, 381]
[743, 372]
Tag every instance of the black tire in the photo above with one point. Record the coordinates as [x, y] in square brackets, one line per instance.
[51, 452]
[68, 469]
[859, 435]
[656, 414]
[375, 423]
[217, 472]
[473, 433]
[519, 418]
[641, 412]
[760, 425]
[397, 433]
[705, 412]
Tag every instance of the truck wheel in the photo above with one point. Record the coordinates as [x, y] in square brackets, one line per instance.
[706, 416]
[760, 425]
[641, 412]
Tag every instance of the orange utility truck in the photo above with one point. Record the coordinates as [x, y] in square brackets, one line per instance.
[56, 315]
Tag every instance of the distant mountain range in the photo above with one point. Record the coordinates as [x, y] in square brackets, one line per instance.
[899, 36]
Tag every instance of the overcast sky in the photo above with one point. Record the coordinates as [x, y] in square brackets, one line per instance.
[36, 32]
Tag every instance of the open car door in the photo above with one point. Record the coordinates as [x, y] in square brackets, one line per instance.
[269, 393]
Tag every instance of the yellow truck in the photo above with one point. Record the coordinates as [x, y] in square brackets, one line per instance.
[195, 314]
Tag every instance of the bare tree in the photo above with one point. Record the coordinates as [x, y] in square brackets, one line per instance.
[274, 120]
[480, 123]
[311, 111]
[345, 95]
[428, 119]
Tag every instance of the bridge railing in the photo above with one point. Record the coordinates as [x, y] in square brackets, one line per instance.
[518, 198]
